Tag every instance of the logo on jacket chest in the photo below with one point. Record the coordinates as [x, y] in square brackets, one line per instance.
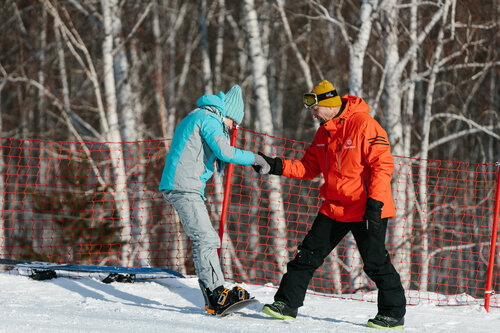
[349, 145]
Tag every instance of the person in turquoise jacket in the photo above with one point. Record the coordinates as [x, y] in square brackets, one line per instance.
[200, 144]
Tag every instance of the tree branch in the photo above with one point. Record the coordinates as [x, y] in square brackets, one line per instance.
[472, 123]
[60, 106]
[136, 26]
[457, 135]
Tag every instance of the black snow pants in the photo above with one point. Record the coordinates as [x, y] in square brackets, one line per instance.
[324, 235]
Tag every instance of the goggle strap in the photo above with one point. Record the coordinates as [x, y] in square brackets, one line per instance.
[329, 94]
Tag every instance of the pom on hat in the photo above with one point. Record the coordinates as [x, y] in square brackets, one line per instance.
[324, 87]
[234, 104]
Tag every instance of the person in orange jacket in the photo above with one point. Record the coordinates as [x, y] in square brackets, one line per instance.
[352, 152]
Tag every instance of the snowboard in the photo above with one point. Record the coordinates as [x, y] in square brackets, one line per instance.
[238, 306]
[39, 265]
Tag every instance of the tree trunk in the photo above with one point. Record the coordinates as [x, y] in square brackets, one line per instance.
[219, 48]
[205, 53]
[402, 229]
[302, 64]
[357, 50]
[258, 64]
[113, 135]
[162, 110]
[393, 91]
[130, 109]
[422, 183]
[3, 226]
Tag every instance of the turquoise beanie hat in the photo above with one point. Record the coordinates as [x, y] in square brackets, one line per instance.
[234, 104]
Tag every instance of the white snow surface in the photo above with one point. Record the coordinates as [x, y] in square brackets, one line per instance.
[85, 304]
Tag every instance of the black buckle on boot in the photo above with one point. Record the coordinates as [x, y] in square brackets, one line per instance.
[223, 297]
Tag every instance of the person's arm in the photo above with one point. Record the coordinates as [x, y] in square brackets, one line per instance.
[305, 168]
[376, 152]
[212, 133]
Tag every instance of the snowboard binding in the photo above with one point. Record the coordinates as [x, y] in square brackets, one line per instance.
[221, 298]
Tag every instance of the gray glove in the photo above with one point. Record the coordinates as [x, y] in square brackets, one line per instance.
[260, 165]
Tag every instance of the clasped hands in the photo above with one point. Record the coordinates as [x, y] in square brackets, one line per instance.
[267, 165]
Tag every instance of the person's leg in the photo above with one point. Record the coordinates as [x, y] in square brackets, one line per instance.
[324, 235]
[378, 266]
[197, 225]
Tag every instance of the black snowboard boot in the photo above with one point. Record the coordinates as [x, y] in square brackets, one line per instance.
[280, 310]
[386, 322]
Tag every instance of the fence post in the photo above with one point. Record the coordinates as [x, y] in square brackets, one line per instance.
[494, 231]
[227, 190]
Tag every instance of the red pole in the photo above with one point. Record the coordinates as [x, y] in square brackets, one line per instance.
[491, 261]
[227, 189]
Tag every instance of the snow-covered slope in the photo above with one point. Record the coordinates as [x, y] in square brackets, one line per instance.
[175, 305]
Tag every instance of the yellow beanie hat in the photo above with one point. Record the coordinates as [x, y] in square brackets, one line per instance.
[324, 87]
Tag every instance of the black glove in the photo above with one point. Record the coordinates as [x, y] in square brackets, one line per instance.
[373, 216]
[275, 163]
[260, 165]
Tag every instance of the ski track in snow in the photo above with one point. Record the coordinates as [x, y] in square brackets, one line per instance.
[176, 305]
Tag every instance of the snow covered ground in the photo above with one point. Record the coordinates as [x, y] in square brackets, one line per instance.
[175, 305]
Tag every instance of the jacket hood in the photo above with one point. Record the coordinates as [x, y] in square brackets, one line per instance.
[213, 100]
[354, 104]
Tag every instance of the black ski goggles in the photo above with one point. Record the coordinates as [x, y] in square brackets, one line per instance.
[312, 99]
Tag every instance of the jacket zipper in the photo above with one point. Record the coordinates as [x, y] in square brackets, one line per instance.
[326, 149]
[340, 153]
[326, 157]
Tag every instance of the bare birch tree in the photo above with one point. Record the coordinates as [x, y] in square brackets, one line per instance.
[401, 230]
[3, 226]
[399, 134]
[395, 65]
[158, 53]
[258, 63]
[175, 20]
[113, 134]
[356, 45]
[302, 64]
[436, 67]
[422, 187]
[130, 108]
[219, 48]
[205, 63]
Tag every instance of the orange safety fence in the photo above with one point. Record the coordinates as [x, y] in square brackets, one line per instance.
[98, 203]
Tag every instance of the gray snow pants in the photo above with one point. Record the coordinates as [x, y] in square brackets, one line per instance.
[195, 220]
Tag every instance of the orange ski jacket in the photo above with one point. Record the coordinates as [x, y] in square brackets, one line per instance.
[353, 154]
